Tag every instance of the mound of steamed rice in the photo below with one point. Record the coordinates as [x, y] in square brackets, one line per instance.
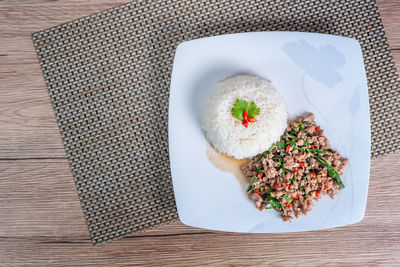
[227, 134]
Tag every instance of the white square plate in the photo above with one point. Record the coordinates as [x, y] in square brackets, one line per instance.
[318, 73]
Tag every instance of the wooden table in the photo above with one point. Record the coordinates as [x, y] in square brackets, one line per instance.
[41, 220]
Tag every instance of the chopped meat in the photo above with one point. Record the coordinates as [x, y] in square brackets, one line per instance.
[308, 118]
[300, 168]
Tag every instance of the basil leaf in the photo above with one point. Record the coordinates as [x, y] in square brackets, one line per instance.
[250, 188]
[288, 198]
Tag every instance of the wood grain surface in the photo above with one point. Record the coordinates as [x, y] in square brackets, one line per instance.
[41, 221]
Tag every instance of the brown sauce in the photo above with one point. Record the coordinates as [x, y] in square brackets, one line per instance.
[227, 164]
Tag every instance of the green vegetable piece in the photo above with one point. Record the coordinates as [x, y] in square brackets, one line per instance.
[292, 143]
[250, 188]
[331, 171]
[238, 107]
[293, 133]
[253, 110]
[269, 191]
[300, 188]
[277, 158]
[274, 203]
[284, 211]
[288, 199]
[281, 144]
[315, 151]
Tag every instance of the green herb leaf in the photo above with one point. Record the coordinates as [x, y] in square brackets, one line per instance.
[293, 143]
[269, 191]
[277, 157]
[300, 188]
[283, 208]
[250, 188]
[293, 133]
[288, 199]
[255, 179]
[275, 204]
[238, 107]
[316, 151]
[292, 179]
[331, 171]
[253, 110]
[281, 144]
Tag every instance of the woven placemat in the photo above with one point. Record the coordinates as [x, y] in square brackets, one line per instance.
[108, 78]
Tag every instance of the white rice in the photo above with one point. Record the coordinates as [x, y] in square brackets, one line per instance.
[227, 134]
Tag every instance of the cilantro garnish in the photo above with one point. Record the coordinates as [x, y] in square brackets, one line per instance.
[253, 110]
[240, 105]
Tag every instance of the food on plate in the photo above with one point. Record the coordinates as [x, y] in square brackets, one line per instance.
[293, 172]
[244, 117]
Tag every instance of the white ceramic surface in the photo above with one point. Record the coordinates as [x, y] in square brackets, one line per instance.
[318, 73]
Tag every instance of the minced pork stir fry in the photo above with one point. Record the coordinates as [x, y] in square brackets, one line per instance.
[296, 170]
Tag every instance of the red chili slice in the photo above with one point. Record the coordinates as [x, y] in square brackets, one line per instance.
[245, 115]
[252, 120]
